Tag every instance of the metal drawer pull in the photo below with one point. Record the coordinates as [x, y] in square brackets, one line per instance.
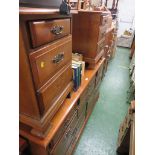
[57, 30]
[58, 58]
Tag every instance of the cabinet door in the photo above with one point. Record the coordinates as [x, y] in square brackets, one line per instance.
[62, 146]
[91, 102]
[76, 134]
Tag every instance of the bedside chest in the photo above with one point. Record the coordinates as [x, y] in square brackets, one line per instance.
[45, 66]
[89, 28]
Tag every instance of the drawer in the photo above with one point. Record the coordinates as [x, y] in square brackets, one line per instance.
[76, 133]
[45, 31]
[66, 139]
[45, 63]
[48, 95]
[64, 125]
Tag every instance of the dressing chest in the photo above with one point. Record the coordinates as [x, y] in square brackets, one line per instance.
[89, 29]
[45, 66]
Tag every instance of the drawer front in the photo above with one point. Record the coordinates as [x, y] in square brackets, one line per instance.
[46, 63]
[66, 139]
[43, 32]
[64, 125]
[48, 95]
[76, 133]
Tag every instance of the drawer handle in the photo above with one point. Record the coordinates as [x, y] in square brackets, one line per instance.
[57, 30]
[58, 58]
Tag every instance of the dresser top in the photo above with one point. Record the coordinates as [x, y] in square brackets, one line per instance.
[28, 10]
[42, 11]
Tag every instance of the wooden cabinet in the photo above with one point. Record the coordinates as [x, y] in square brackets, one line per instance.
[45, 66]
[52, 116]
[89, 28]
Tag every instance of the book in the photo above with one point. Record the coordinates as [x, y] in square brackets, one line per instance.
[79, 70]
[78, 67]
[75, 77]
[83, 66]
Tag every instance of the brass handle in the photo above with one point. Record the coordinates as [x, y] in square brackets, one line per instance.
[57, 30]
[58, 58]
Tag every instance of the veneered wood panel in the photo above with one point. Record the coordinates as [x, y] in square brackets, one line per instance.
[27, 96]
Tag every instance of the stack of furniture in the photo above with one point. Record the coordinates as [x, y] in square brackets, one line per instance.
[52, 115]
[94, 35]
[45, 66]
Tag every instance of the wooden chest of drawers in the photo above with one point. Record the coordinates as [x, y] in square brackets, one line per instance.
[89, 28]
[45, 66]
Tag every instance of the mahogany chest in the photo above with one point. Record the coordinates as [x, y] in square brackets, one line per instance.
[45, 66]
[89, 29]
